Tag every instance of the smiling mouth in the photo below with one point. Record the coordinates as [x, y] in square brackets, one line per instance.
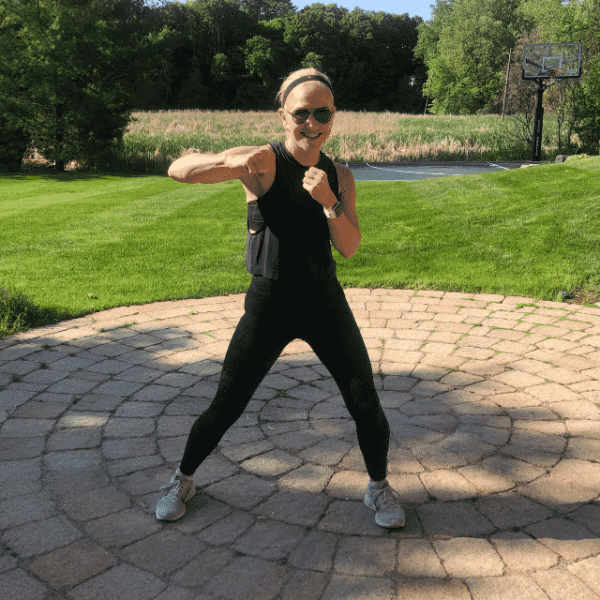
[311, 137]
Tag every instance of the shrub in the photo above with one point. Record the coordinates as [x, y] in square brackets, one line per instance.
[19, 313]
[15, 141]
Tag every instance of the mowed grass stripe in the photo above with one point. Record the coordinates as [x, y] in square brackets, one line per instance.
[99, 242]
[528, 232]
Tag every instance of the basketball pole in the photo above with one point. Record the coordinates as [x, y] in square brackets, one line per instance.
[538, 124]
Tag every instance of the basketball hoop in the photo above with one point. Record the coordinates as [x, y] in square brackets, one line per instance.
[547, 64]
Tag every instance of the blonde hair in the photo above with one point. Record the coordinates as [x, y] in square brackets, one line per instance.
[296, 75]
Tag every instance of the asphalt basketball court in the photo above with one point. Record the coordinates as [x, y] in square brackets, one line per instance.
[389, 171]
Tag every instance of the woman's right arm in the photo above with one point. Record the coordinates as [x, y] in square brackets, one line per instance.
[234, 163]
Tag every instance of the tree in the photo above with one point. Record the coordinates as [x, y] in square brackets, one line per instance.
[266, 10]
[586, 109]
[465, 46]
[68, 71]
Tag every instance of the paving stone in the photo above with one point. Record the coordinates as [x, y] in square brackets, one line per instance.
[522, 553]
[559, 584]
[435, 457]
[201, 512]
[558, 495]
[128, 428]
[513, 587]
[242, 491]
[84, 559]
[41, 536]
[448, 485]
[26, 428]
[465, 557]
[155, 393]
[115, 449]
[72, 459]
[485, 481]
[297, 508]
[350, 518]
[205, 566]
[72, 386]
[365, 556]
[7, 563]
[315, 551]
[304, 585]
[88, 505]
[174, 551]
[98, 402]
[514, 470]
[431, 588]
[227, 530]
[308, 478]
[328, 452]
[584, 449]
[342, 587]
[417, 558]
[170, 426]
[75, 418]
[271, 464]
[25, 509]
[122, 528]
[348, 485]
[74, 438]
[458, 519]
[122, 581]
[568, 539]
[589, 571]
[510, 510]
[248, 578]
[588, 516]
[16, 585]
[40, 410]
[269, 540]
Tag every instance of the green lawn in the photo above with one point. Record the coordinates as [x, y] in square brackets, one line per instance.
[75, 244]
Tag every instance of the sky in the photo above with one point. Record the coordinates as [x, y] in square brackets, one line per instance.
[414, 8]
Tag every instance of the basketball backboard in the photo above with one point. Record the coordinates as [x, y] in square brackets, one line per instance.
[551, 61]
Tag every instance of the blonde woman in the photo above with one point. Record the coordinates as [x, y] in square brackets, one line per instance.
[299, 203]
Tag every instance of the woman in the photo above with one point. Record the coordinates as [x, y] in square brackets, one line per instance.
[299, 203]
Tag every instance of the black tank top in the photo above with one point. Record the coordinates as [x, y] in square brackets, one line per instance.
[291, 238]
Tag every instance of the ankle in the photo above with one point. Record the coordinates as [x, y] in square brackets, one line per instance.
[377, 484]
[183, 475]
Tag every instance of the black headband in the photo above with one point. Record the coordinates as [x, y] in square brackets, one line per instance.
[302, 80]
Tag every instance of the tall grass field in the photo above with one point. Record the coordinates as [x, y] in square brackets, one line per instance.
[154, 139]
[72, 244]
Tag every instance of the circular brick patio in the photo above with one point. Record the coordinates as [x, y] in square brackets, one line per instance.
[493, 403]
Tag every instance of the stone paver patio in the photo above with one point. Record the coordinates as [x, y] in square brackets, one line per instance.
[494, 404]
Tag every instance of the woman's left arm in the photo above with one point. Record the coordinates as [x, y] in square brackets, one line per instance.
[345, 229]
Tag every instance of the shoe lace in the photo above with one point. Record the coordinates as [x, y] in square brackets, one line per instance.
[386, 496]
[172, 488]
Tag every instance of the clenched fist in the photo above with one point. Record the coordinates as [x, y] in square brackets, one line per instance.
[316, 184]
[256, 161]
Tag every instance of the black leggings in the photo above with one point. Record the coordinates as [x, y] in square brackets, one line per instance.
[277, 313]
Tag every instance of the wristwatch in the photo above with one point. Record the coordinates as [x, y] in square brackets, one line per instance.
[335, 211]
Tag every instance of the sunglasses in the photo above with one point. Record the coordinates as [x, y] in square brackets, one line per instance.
[321, 115]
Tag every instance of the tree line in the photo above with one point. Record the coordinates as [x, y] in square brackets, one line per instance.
[72, 71]
[473, 48]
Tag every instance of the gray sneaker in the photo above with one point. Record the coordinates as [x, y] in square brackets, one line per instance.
[170, 505]
[385, 501]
